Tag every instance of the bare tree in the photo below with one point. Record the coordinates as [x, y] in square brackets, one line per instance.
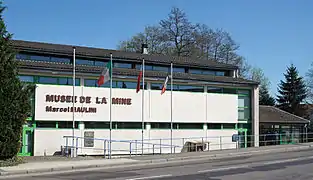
[176, 35]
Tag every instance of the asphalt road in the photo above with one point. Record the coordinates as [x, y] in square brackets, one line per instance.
[277, 166]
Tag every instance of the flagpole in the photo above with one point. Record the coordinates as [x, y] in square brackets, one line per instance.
[74, 78]
[142, 103]
[171, 107]
[111, 82]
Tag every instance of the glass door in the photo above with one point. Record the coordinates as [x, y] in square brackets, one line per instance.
[27, 141]
[242, 133]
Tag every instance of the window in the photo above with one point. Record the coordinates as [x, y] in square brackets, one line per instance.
[243, 101]
[47, 80]
[220, 73]
[69, 81]
[60, 60]
[160, 125]
[161, 68]
[45, 124]
[122, 65]
[215, 90]
[178, 69]
[100, 63]
[155, 86]
[189, 125]
[84, 62]
[39, 58]
[243, 113]
[208, 72]
[97, 125]
[22, 56]
[229, 91]
[26, 78]
[229, 126]
[128, 125]
[126, 85]
[244, 92]
[67, 125]
[195, 71]
[93, 83]
[190, 88]
[214, 126]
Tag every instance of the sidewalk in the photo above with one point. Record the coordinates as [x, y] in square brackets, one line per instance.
[63, 164]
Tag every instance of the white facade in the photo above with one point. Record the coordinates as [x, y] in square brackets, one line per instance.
[187, 108]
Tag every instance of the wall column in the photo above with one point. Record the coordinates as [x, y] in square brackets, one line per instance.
[255, 116]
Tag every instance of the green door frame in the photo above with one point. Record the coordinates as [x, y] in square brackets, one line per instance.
[244, 131]
[25, 141]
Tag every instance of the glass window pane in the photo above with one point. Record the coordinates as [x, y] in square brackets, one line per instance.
[156, 86]
[84, 62]
[161, 68]
[127, 85]
[67, 124]
[229, 126]
[214, 126]
[45, 124]
[177, 69]
[190, 126]
[48, 80]
[208, 72]
[70, 81]
[90, 82]
[244, 101]
[26, 78]
[60, 60]
[220, 73]
[244, 92]
[100, 63]
[22, 56]
[195, 71]
[244, 113]
[160, 125]
[229, 91]
[40, 58]
[122, 65]
[97, 125]
[63, 81]
[190, 88]
[128, 125]
[215, 90]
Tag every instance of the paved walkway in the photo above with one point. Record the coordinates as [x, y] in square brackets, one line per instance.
[45, 164]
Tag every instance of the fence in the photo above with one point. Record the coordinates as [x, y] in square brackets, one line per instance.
[107, 148]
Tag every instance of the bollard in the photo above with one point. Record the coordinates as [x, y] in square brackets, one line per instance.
[66, 149]
[202, 144]
[104, 148]
[130, 149]
[153, 149]
[160, 146]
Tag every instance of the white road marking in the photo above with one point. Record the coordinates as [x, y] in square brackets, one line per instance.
[221, 169]
[262, 163]
[151, 177]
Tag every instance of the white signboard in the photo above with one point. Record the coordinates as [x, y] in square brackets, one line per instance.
[55, 103]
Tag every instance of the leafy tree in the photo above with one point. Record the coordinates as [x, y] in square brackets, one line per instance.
[176, 35]
[265, 98]
[14, 97]
[292, 91]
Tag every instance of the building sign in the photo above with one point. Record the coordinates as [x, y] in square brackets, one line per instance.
[57, 103]
[89, 138]
[57, 99]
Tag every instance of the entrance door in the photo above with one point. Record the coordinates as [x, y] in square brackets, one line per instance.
[27, 141]
[242, 138]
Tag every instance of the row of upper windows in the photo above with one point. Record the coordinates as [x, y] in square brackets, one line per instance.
[121, 65]
[129, 85]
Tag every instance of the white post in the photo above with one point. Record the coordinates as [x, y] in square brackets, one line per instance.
[74, 78]
[111, 82]
[172, 107]
[142, 104]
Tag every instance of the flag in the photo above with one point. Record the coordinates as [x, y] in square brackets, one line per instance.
[105, 74]
[164, 85]
[138, 82]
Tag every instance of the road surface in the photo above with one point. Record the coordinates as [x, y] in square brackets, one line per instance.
[276, 166]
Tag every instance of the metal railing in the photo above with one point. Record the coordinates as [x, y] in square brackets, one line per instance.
[183, 144]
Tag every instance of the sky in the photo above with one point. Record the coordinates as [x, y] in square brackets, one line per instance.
[271, 34]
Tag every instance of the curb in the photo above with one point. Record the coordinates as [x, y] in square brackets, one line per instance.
[157, 161]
